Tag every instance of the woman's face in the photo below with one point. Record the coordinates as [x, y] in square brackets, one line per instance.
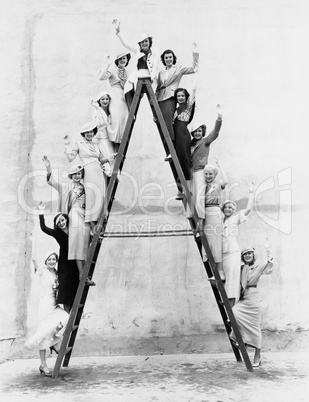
[209, 175]
[144, 44]
[76, 177]
[51, 261]
[88, 135]
[228, 209]
[248, 257]
[198, 134]
[104, 101]
[62, 223]
[168, 59]
[122, 62]
[181, 97]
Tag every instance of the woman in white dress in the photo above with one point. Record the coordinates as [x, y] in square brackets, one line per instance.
[51, 317]
[247, 310]
[106, 135]
[117, 77]
[231, 251]
[94, 181]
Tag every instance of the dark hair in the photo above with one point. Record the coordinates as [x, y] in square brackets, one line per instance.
[128, 59]
[150, 43]
[168, 51]
[95, 130]
[55, 254]
[57, 216]
[109, 98]
[203, 130]
[181, 90]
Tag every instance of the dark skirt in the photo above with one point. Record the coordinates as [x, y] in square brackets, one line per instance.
[183, 147]
[168, 108]
[68, 278]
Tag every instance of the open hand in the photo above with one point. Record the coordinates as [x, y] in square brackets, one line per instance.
[66, 139]
[251, 187]
[94, 103]
[116, 25]
[46, 161]
[194, 47]
[219, 110]
[41, 206]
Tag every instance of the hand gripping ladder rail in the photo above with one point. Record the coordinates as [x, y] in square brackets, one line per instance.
[144, 86]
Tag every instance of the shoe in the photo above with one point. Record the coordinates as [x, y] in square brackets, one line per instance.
[180, 196]
[259, 363]
[52, 348]
[168, 158]
[44, 372]
[89, 282]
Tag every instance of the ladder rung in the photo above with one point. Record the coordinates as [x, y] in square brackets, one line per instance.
[80, 305]
[74, 327]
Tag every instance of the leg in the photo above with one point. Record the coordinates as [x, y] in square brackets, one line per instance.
[80, 267]
[257, 361]
[44, 370]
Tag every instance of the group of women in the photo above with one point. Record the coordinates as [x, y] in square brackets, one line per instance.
[81, 199]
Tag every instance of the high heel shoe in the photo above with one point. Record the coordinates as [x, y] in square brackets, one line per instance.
[44, 372]
[89, 282]
[52, 348]
[259, 363]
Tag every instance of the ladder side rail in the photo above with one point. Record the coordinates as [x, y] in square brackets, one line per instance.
[82, 292]
[221, 290]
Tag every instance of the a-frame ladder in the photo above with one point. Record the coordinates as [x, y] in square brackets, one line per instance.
[144, 86]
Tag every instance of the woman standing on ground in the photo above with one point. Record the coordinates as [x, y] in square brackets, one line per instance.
[168, 82]
[72, 202]
[247, 310]
[200, 147]
[117, 76]
[94, 181]
[147, 61]
[231, 251]
[52, 318]
[67, 269]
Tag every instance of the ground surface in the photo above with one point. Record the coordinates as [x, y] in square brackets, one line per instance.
[210, 378]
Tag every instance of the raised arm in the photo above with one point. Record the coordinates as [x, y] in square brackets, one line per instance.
[251, 198]
[129, 46]
[215, 132]
[97, 115]
[104, 73]
[194, 86]
[70, 153]
[44, 228]
[223, 174]
[195, 56]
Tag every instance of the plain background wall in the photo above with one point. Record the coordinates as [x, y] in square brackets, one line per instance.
[152, 295]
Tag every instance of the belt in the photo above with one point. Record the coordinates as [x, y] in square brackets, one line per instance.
[211, 205]
[251, 286]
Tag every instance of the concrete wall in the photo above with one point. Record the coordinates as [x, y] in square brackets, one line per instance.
[152, 295]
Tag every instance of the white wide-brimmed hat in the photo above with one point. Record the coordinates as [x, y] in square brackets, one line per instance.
[75, 169]
[88, 127]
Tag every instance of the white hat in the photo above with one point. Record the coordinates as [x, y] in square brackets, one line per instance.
[75, 169]
[88, 127]
[143, 36]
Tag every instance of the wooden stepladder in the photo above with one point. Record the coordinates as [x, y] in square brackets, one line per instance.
[144, 86]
